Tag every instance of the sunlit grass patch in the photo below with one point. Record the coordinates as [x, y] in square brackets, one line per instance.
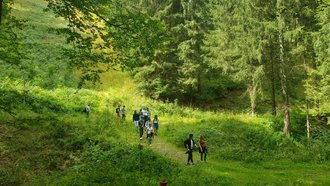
[32, 11]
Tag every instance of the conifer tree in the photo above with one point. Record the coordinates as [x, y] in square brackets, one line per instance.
[192, 51]
[245, 32]
[159, 79]
[319, 93]
[179, 69]
[296, 22]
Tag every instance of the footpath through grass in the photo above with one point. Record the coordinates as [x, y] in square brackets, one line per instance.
[238, 172]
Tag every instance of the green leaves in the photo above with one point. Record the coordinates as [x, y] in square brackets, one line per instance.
[321, 71]
[11, 45]
[106, 35]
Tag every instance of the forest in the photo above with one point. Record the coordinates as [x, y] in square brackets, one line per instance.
[251, 76]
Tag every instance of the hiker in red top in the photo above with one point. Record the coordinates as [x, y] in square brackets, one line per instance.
[202, 148]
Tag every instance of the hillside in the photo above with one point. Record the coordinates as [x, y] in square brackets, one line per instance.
[48, 140]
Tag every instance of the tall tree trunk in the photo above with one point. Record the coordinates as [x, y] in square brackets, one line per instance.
[286, 128]
[281, 25]
[252, 89]
[199, 83]
[307, 101]
[272, 81]
[307, 119]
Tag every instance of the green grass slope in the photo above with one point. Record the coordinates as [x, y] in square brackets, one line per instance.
[43, 47]
[68, 148]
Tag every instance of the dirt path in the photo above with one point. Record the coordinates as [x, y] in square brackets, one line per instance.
[158, 145]
[169, 150]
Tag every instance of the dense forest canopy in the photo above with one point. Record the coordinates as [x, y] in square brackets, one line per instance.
[199, 51]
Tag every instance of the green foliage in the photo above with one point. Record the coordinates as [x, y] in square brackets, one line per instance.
[81, 154]
[298, 123]
[119, 166]
[179, 69]
[24, 53]
[104, 35]
[232, 139]
[320, 74]
[70, 149]
[7, 104]
[12, 48]
[48, 140]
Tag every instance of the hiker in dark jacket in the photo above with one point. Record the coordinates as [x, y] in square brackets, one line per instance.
[118, 111]
[123, 113]
[156, 125]
[87, 110]
[136, 119]
[190, 144]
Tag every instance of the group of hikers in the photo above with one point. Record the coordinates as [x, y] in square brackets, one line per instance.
[143, 124]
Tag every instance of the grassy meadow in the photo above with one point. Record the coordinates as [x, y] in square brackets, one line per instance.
[50, 141]
[61, 146]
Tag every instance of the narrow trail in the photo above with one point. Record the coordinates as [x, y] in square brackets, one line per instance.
[158, 144]
[169, 150]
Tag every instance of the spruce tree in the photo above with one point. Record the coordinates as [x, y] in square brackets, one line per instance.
[321, 72]
[245, 34]
[296, 22]
[192, 51]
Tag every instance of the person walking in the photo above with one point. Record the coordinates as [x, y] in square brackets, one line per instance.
[87, 110]
[145, 118]
[155, 125]
[118, 111]
[202, 147]
[136, 119]
[149, 133]
[123, 113]
[141, 114]
[141, 128]
[190, 144]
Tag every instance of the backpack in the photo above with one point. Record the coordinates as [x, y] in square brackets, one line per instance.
[185, 143]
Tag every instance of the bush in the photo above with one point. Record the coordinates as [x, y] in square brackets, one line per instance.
[298, 123]
[9, 178]
[119, 165]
